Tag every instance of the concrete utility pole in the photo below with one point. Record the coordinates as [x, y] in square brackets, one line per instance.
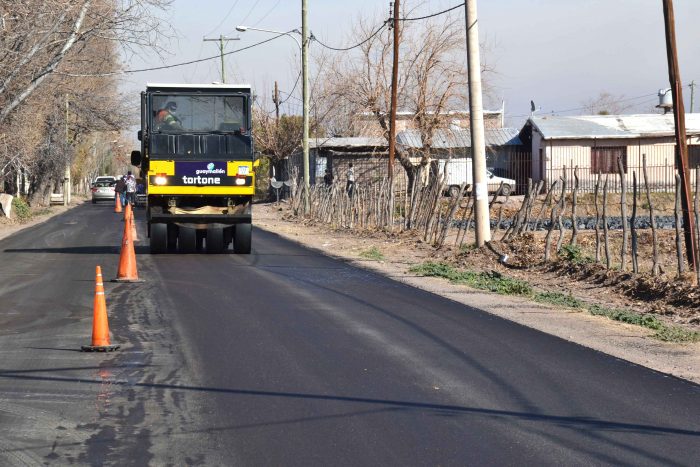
[276, 101]
[305, 78]
[681, 138]
[476, 123]
[221, 40]
[692, 96]
[394, 90]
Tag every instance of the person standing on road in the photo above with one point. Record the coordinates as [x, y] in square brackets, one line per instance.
[350, 186]
[120, 189]
[130, 189]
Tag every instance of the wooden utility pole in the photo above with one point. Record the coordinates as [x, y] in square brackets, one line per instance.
[394, 89]
[681, 138]
[276, 100]
[476, 123]
[221, 40]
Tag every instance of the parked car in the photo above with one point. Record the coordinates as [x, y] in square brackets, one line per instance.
[103, 191]
[459, 171]
[104, 178]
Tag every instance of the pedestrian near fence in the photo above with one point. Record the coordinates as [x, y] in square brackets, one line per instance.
[350, 185]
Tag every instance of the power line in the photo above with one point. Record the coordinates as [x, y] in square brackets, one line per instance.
[225, 18]
[293, 89]
[266, 14]
[588, 106]
[175, 65]
[343, 49]
[433, 14]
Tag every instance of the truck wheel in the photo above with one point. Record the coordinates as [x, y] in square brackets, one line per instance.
[187, 240]
[505, 191]
[228, 237]
[242, 238]
[215, 240]
[172, 237]
[453, 191]
[159, 237]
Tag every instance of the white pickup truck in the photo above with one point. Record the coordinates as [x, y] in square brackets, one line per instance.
[459, 171]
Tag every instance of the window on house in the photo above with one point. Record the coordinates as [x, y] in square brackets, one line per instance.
[694, 156]
[604, 160]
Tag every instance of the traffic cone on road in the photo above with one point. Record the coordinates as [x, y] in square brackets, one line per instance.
[134, 234]
[100, 326]
[118, 203]
[127, 210]
[127, 259]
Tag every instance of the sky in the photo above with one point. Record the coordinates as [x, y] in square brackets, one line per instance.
[558, 53]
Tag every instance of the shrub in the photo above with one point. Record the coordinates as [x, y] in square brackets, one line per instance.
[21, 209]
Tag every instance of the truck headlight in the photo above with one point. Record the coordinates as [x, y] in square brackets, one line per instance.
[160, 179]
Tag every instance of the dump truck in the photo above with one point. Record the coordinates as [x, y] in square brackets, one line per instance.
[197, 160]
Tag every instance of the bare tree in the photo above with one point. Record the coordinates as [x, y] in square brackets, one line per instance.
[432, 81]
[606, 104]
[39, 35]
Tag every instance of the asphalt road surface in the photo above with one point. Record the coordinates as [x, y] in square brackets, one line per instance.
[287, 357]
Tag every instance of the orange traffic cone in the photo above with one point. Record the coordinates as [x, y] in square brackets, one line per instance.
[100, 326]
[118, 203]
[127, 260]
[134, 234]
[127, 210]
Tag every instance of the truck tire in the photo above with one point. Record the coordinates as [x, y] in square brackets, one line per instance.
[187, 240]
[172, 237]
[159, 238]
[453, 191]
[505, 191]
[242, 234]
[215, 240]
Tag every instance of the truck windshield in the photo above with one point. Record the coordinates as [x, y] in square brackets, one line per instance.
[198, 114]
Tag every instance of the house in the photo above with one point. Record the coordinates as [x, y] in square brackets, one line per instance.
[369, 154]
[365, 123]
[595, 143]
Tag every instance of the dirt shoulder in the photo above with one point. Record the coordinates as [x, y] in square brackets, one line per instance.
[39, 215]
[399, 253]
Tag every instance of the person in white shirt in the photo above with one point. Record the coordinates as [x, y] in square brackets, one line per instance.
[350, 186]
[130, 189]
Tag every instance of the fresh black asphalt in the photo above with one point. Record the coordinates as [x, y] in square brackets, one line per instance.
[288, 357]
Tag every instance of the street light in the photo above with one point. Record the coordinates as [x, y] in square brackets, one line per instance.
[303, 47]
[281, 33]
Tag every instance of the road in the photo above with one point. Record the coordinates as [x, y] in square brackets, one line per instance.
[287, 357]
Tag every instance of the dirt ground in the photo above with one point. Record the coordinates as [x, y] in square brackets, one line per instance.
[673, 301]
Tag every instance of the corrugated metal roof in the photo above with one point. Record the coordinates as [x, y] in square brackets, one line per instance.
[460, 138]
[348, 142]
[612, 126]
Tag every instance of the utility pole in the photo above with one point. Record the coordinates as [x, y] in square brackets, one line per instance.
[692, 96]
[476, 123]
[394, 91]
[221, 41]
[305, 72]
[681, 138]
[66, 175]
[276, 100]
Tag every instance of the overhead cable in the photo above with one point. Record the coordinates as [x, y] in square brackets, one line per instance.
[433, 14]
[343, 49]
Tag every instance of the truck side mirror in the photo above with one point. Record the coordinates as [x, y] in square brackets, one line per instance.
[136, 158]
[139, 135]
